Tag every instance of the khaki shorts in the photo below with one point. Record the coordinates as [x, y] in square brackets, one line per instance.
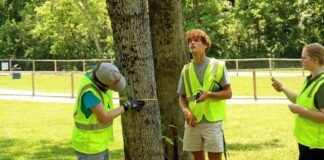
[204, 137]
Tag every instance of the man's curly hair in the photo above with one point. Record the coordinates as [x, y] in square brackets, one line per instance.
[198, 34]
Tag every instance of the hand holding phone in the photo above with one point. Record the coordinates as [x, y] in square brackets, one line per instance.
[276, 84]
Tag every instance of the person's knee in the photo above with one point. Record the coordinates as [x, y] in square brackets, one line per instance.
[214, 156]
[199, 155]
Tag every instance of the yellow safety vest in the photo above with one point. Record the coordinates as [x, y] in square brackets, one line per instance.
[89, 134]
[212, 109]
[308, 132]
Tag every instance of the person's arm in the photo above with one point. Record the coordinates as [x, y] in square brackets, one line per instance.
[316, 116]
[106, 117]
[224, 93]
[189, 117]
[292, 96]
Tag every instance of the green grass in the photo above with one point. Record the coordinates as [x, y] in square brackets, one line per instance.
[243, 85]
[44, 83]
[260, 132]
[32, 130]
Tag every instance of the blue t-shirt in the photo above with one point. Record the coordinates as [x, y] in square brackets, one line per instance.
[88, 101]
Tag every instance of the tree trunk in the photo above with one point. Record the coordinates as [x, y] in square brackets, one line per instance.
[134, 57]
[169, 52]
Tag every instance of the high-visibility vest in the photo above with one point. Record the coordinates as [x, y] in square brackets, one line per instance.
[308, 132]
[89, 134]
[212, 109]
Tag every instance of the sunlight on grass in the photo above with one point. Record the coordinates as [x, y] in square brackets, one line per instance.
[243, 86]
[262, 132]
[32, 130]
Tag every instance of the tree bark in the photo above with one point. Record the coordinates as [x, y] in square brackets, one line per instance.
[134, 57]
[169, 52]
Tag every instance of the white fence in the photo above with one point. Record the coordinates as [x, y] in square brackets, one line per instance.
[83, 64]
[71, 68]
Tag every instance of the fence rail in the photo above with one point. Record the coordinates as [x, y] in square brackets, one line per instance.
[78, 67]
[269, 64]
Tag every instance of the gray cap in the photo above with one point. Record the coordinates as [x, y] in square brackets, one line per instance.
[109, 75]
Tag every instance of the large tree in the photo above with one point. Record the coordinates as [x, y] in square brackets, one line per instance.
[166, 24]
[134, 57]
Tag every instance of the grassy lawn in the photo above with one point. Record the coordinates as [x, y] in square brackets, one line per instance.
[32, 130]
[260, 132]
[44, 83]
[243, 85]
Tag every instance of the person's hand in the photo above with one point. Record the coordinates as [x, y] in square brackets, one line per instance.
[203, 96]
[189, 117]
[277, 85]
[133, 104]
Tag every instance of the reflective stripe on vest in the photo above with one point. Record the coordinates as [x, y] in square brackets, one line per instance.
[312, 90]
[92, 126]
[308, 132]
[188, 79]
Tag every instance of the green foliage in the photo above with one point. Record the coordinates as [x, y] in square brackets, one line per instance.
[216, 19]
[15, 24]
[76, 29]
[80, 29]
[60, 29]
[256, 28]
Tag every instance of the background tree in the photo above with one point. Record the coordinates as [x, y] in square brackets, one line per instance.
[62, 29]
[15, 24]
[216, 18]
[169, 51]
[134, 57]
[76, 29]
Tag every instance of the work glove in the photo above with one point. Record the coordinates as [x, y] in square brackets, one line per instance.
[133, 104]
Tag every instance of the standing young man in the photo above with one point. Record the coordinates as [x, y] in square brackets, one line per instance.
[203, 87]
[94, 111]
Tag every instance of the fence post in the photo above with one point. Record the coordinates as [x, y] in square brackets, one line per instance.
[303, 72]
[270, 66]
[236, 64]
[10, 65]
[33, 83]
[55, 66]
[84, 66]
[72, 85]
[33, 66]
[254, 86]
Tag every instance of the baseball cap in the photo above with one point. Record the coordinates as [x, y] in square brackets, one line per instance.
[109, 75]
